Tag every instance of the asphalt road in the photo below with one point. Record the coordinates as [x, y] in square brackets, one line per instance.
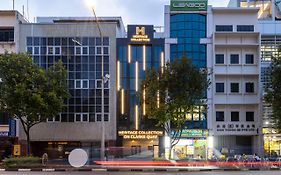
[147, 173]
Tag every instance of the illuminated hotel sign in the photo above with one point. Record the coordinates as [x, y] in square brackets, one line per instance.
[189, 5]
[140, 34]
[193, 133]
[140, 134]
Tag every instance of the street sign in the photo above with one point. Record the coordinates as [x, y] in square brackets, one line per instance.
[16, 151]
[12, 127]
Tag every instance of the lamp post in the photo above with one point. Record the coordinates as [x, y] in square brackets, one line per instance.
[102, 149]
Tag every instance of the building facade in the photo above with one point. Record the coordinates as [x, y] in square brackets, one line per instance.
[188, 24]
[9, 37]
[137, 53]
[270, 27]
[234, 100]
[80, 46]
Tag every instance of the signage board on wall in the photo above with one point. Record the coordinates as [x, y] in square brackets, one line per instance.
[189, 5]
[140, 134]
[140, 34]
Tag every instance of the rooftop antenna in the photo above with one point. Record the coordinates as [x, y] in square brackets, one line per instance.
[13, 4]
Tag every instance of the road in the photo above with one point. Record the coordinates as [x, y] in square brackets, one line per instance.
[148, 173]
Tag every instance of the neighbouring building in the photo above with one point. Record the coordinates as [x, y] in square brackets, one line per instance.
[234, 98]
[9, 37]
[269, 24]
[81, 47]
[141, 50]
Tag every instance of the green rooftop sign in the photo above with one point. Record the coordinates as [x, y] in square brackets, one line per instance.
[189, 5]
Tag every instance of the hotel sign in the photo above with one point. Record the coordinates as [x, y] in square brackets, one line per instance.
[140, 34]
[189, 5]
[140, 134]
[194, 133]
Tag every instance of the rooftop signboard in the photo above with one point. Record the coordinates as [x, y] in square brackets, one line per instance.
[189, 5]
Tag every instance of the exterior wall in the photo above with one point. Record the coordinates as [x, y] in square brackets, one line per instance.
[69, 130]
[239, 43]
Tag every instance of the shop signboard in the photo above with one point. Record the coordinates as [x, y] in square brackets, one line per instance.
[140, 34]
[140, 134]
[189, 5]
[12, 128]
[16, 151]
[4, 134]
[194, 133]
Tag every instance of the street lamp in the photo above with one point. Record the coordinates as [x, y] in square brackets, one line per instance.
[104, 79]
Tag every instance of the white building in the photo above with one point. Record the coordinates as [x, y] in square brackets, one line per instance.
[234, 101]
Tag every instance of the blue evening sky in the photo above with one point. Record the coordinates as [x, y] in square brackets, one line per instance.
[131, 11]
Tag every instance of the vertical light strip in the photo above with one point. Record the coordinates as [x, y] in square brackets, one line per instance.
[158, 99]
[144, 57]
[129, 53]
[137, 117]
[143, 96]
[162, 62]
[122, 102]
[118, 75]
[137, 76]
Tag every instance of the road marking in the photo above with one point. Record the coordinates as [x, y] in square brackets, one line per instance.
[48, 169]
[24, 170]
[99, 169]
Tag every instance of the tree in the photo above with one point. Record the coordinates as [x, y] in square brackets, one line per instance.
[30, 93]
[171, 92]
[273, 91]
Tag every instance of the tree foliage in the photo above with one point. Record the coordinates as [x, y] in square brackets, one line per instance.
[273, 92]
[30, 93]
[171, 93]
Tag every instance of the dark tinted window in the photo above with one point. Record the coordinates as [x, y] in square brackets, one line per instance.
[219, 58]
[219, 116]
[219, 87]
[6, 35]
[4, 118]
[249, 59]
[234, 116]
[222, 28]
[245, 28]
[234, 59]
[249, 116]
[234, 87]
[250, 87]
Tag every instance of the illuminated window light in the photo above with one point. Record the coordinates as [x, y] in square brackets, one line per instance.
[158, 99]
[162, 62]
[136, 118]
[144, 111]
[129, 53]
[118, 75]
[137, 76]
[144, 57]
[122, 101]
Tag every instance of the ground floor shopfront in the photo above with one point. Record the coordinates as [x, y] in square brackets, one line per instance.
[193, 144]
[141, 144]
[272, 142]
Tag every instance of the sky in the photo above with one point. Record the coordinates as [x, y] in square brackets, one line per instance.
[131, 11]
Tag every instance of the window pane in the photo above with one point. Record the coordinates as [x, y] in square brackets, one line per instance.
[85, 117]
[219, 58]
[78, 117]
[99, 117]
[250, 116]
[249, 59]
[234, 59]
[219, 87]
[245, 28]
[234, 116]
[222, 28]
[250, 87]
[234, 87]
[219, 116]
[106, 117]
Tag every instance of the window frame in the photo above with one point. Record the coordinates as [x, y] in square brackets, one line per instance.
[81, 117]
[253, 116]
[231, 116]
[231, 59]
[220, 112]
[217, 59]
[253, 59]
[220, 83]
[231, 89]
[252, 85]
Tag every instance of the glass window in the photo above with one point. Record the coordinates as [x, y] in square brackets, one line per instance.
[219, 116]
[78, 117]
[219, 58]
[234, 59]
[106, 41]
[50, 50]
[98, 117]
[78, 50]
[220, 87]
[234, 87]
[85, 50]
[250, 87]
[250, 116]
[57, 50]
[85, 84]
[234, 116]
[106, 117]
[7, 35]
[245, 28]
[224, 28]
[249, 59]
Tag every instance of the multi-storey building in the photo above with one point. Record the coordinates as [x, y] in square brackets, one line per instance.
[187, 23]
[234, 96]
[141, 50]
[81, 47]
[269, 24]
[9, 37]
